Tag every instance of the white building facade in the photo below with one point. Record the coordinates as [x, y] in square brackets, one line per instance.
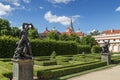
[113, 36]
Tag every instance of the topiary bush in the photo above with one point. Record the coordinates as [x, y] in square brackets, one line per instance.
[53, 56]
[96, 49]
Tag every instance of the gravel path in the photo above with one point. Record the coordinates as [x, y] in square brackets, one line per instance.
[106, 74]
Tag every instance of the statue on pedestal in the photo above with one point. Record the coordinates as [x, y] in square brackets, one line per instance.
[23, 50]
[105, 47]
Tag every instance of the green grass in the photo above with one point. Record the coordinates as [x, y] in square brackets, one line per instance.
[64, 61]
[5, 68]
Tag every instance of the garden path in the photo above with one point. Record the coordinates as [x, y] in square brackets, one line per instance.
[112, 73]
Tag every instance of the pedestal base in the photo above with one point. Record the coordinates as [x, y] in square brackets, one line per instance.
[22, 69]
[106, 57]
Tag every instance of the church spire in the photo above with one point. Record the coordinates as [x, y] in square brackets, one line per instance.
[71, 24]
[46, 28]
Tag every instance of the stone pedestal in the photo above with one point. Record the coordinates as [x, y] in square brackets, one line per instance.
[106, 57]
[22, 69]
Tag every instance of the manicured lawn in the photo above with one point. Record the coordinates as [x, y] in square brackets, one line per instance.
[62, 62]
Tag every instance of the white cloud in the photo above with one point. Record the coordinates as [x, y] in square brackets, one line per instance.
[14, 2]
[93, 30]
[57, 19]
[117, 9]
[41, 7]
[5, 9]
[26, 1]
[60, 1]
[76, 16]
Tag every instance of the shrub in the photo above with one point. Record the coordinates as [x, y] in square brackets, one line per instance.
[53, 55]
[45, 48]
[84, 48]
[42, 48]
[62, 60]
[39, 47]
[96, 49]
[46, 63]
[42, 58]
[46, 75]
[7, 46]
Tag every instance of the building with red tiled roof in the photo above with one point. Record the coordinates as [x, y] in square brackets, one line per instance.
[69, 31]
[46, 32]
[113, 36]
[112, 31]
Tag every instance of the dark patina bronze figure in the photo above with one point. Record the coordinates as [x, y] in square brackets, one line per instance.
[105, 47]
[23, 50]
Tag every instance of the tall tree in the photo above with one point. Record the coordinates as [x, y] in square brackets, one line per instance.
[15, 31]
[88, 40]
[74, 37]
[4, 27]
[53, 35]
[64, 37]
[4, 24]
[33, 33]
[94, 33]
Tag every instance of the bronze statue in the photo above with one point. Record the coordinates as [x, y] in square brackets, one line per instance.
[23, 50]
[105, 47]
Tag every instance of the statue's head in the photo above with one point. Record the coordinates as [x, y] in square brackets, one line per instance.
[27, 25]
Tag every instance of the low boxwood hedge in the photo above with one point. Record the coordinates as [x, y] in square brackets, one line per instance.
[50, 74]
[46, 63]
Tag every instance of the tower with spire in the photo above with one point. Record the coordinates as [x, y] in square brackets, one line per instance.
[70, 28]
[71, 25]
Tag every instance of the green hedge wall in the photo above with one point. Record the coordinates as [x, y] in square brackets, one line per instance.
[84, 48]
[41, 48]
[7, 46]
[96, 49]
[47, 47]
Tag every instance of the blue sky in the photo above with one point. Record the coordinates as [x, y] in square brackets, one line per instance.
[86, 14]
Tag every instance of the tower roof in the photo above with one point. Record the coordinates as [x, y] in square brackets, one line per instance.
[71, 24]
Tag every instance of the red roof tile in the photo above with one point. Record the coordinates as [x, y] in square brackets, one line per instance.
[77, 33]
[46, 31]
[111, 32]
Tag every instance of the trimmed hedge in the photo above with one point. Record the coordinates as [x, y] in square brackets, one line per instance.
[42, 48]
[115, 59]
[96, 49]
[46, 63]
[7, 46]
[50, 74]
[84, 48]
